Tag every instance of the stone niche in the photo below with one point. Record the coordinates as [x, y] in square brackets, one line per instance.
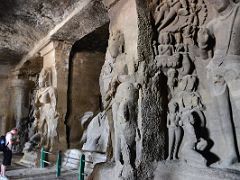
[85, 90]
[86, 60]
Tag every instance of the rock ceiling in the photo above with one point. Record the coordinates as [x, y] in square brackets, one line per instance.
[25, 25]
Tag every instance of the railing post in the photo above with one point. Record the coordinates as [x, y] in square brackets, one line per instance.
[58, 165]
[81, 168]
[43, 158]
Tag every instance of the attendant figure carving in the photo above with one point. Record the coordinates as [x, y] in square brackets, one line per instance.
[174, 131]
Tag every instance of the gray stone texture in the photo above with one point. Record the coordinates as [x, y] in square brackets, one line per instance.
[146, 89]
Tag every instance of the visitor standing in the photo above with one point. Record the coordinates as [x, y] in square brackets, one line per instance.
[6, 145]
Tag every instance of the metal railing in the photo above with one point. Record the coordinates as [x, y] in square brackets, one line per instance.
[59, 167]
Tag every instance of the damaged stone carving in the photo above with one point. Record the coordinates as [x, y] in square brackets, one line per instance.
[177, 24]
[221, 35]
[97, 134]
[120, 70]
[122, 97]
[125, 125]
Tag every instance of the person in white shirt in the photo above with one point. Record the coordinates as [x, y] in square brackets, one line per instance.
[10, 139]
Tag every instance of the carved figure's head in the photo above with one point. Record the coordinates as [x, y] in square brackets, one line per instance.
[128, 91]
[220, 5]
[45, 78]
[178, 37]
[14, 131]
[172, 73]
[116, 43]
[165, 38]
[192, 80]
[196, 101]
[173, 106]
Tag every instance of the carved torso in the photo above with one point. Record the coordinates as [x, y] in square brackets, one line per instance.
[226, 31]
[44, 96]
[173, 120]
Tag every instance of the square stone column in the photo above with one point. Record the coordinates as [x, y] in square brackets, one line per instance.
[56, 57]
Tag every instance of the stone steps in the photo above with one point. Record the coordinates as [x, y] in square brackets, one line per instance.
[39, 174]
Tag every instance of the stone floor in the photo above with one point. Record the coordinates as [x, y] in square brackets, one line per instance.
[16, 171]
[177, 170]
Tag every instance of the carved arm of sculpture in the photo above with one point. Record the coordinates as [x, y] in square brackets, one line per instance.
[53, 93]
[177, 120]
[191, 119]
[168, 121]
[116, 80]
[112, 89]
[37, 103]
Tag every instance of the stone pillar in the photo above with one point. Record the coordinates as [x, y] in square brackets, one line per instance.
[5, 111]
[20, 104]
[62, 53]
[56, 57]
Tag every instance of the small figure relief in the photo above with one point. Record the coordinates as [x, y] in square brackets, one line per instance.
[184, 16]
[221, 35]
[172, 80]
[176, 14]
[46, 117]
[190, 28]
[190, 151]
[168, 11]
[192, 118]
[174, 130]
[165, 49]
[184, 117]
[179, 45]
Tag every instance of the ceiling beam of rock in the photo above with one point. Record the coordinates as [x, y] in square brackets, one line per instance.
[28, 26]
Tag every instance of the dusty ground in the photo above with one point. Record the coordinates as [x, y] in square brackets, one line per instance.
[16, 171]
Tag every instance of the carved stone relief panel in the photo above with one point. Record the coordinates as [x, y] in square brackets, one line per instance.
[198, 54]
[177, 24]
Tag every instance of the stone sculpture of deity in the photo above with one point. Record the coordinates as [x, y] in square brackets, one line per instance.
[46, 117]
[224, 69]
